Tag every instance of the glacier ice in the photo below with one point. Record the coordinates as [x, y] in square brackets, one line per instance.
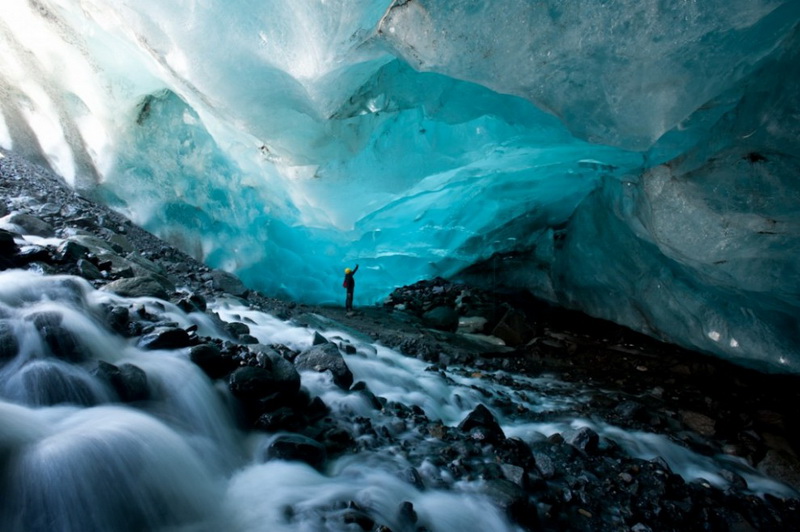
[636, 160]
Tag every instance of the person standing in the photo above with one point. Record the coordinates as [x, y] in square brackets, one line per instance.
[349, 284]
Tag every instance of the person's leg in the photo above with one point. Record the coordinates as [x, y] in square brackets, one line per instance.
[349, 301]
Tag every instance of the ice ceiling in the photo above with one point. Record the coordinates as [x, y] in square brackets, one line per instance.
[636, 159]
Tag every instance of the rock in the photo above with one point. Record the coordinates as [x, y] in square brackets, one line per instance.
[228, 283]
[700, 423]
[89, 271]
[237, 329]
[781, 466]
[296, 447]
[31, 225]
[69, 251]
[584, 439]
[192, 303]
[118, 319]
[166, 338]
[326, 357]
[7, 244]
[482, 425]
[137, 287]
[129, 381]
[443, 318]
[513, 499]
[513, 328]
[318, 339]
[120, 243]
[253, 384]
[212, 361]
[61, 342]
[8, 341]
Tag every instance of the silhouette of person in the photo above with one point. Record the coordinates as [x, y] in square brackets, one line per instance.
[349, 284]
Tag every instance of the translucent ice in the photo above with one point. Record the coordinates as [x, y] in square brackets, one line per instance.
[636, 160]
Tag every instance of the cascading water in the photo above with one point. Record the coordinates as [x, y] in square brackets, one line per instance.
[76, 456]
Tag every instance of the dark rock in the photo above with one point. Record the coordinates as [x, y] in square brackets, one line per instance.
[32, 225]
[137, 287]
[513, 499]
[545, 465]
[326, 357]
[228, 283]
[584, 439]
[7, 244]
[30, 254]
[192, 303]
[89, 271]
[442, 318]
[412, 476]
[253, 384]
[212, 361]
[127, 380]
[781, 466]
[296, 447]
[513, 328]
[61, 342]
[47, 384]
[318, 339]
[70, 251]
[166, 338]
[482, 425]
[8, 341]
[406, 515]
[237, 329]
[283, 418]
[118, 319]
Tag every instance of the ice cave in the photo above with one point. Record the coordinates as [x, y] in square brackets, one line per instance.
[634, 160]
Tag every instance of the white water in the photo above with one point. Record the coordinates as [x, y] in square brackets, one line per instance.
[72, 458]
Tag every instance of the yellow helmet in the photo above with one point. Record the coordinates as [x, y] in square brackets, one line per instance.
[348, 270]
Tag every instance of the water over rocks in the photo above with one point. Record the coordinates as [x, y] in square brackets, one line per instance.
[512, 352]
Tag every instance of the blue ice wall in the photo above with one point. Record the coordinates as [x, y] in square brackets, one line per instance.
[635, 160]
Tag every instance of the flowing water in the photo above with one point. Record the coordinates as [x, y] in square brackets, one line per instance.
[74, 457]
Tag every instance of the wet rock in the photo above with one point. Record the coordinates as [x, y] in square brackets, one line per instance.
[32, 225]
[69, 251]
[30, 254]
[8, 341]
[192, 303]
[256, 384]
[127, 380]
[296, 447]
[60, 340]
[319, 339]
[137, 287]
[48, 384]
[584, 439]
[212, 361]
[482, 425]
[88, 270]
[326, 357]
[166, 338]
[442, 318]
[237, 329]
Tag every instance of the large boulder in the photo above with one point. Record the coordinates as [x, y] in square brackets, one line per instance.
[8, 341]
[31, 225]
[60, 340]
[212, 360]
[228, 283]
[326, 357]
[261, 384]
[127, 380]
[147, 286]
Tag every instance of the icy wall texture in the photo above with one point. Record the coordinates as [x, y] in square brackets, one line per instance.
[637, 160]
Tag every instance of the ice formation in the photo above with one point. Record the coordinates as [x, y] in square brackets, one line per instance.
[636, 160]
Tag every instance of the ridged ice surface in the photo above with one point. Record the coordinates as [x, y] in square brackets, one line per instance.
[636, 160]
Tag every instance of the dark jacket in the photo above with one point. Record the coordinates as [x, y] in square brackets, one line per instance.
[349, 282]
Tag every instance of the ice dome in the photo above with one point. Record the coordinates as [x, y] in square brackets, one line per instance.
[634, 160]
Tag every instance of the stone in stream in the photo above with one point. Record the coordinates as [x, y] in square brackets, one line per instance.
[482, 425]
[326, 357]
[296, 447]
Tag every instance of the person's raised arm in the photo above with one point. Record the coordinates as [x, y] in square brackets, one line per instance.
[355, 269]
